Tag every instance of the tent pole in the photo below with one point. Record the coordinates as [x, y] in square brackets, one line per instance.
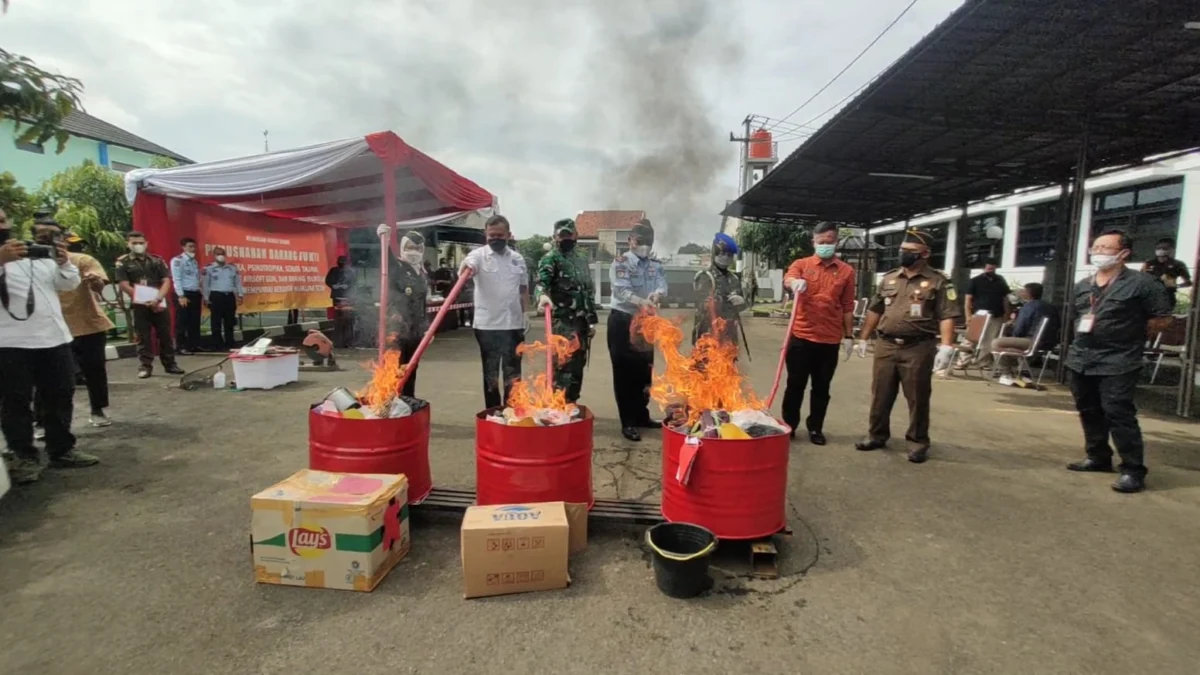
[385, 242]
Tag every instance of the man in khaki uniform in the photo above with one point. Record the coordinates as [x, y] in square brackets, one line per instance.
[914, 306]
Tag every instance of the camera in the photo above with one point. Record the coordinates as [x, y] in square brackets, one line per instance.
[34, 251]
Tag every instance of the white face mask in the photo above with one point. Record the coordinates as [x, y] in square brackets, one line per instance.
[220, 258]
[413, 258]
[723, 260]
[189, 254]
[1104, 261]
[138, 248]
[1162, 252]
[641, 251]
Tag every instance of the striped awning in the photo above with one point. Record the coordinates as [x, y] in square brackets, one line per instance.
[339, 184]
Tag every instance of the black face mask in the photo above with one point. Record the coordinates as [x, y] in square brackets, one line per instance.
[341, 263]
[4, 234]
[566, 245]
[498, 245]
[909, 258]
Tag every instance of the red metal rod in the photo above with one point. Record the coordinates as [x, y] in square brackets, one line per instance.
[433, 326]
[787, 337]
[385, 247]
[549, 354]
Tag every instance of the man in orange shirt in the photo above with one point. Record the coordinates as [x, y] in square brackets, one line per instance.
[823, 286]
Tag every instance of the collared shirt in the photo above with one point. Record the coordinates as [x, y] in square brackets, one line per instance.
[1169, 271]
[185, 274]
[340, 281]
[1029, 319]
[635, 279]
[407, 298]
[913, 304]
[1120, 311]
[45, 327]
[499, 278]
[222, 279]
[988, 293]
[826, 300]
[145, 269]
[80, 308]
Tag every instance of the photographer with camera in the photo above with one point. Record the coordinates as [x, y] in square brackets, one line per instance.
[35, 349]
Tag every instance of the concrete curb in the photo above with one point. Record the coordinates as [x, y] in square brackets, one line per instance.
[128, 350]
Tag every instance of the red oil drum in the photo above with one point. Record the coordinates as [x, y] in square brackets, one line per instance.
[737, 488]
[398, 445]
[520, 465]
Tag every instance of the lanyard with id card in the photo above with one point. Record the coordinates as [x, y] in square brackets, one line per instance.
[1088, 321]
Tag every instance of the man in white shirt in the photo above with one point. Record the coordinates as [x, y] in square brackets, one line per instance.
[35, 349]
[501, 287]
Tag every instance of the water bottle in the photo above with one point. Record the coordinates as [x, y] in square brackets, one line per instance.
[219, 380]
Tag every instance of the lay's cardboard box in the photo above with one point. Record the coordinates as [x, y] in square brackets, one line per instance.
[330, 530]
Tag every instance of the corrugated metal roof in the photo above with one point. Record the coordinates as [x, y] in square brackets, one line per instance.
[82, 124]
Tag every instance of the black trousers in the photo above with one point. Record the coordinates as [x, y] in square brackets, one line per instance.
[808, 360]
[93, 365]
[222, 317]
[1106, 409]
[187, 321]
[632, 368]
[343, 324]
[52, 372]
[407, 349]
[498, 351]
[146, 322]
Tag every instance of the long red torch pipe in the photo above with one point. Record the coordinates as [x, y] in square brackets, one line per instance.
[433, 326]
[787, 337]
[549, 354]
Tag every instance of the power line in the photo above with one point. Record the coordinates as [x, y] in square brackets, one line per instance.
[848, 67]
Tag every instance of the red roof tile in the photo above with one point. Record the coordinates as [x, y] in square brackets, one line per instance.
[589, 223]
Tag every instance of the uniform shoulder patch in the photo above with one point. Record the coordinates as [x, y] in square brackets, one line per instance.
[951, 294]
[622, 272]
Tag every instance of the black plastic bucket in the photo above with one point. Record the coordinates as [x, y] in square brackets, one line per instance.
[681, 554]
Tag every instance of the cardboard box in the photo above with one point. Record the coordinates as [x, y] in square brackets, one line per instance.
[514, 549]
[330, 530]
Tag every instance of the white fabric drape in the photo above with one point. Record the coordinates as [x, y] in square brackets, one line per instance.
[248, 175]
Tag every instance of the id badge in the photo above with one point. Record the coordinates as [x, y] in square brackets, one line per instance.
[914, 310]
[1085, 323]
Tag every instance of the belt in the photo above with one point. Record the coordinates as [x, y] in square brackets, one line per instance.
[907, 339]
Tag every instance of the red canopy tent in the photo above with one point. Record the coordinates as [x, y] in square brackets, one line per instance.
[358, 182]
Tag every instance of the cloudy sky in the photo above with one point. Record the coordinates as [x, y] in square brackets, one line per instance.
[556, 106]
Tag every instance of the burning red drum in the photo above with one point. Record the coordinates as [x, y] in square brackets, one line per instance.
[518, 465]
[736, 488]
[396, 445]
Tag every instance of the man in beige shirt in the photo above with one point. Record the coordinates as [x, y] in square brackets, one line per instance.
[89, 326]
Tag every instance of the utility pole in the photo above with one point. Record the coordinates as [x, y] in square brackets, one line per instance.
[266, 143]
[744, 163]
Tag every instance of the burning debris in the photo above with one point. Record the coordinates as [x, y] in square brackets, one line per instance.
[698, 391]
[535, 402]
[380, 399]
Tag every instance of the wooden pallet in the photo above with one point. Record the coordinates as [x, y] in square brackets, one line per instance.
[604, 510]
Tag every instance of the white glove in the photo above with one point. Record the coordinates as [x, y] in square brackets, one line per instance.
[655, 299]
[543, 302]
[382, 230]
[736, 300]
[945, 356]
[860, 348]
[798, 286]
[848, 348]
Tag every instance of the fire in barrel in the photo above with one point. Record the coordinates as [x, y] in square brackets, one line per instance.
[539, 447]
[375, 430]
[725, 458]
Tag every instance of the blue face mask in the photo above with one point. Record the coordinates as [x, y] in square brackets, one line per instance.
[825, 251]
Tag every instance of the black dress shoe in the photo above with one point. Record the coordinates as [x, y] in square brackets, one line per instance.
[174, 370]
[870, 444]
[1129, 483]
[631, 433]
[816, 437]
[918, 456]
[1090, 464]
[648, 423]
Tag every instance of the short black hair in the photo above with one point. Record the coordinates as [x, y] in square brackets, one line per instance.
[991, 261]
[824, 227]
[186, 240]
[1124, 240]
[1168, 241]
[497, 220]
[134, 234]
[1035, 290]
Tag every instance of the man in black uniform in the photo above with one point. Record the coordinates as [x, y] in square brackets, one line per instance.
[139, 268]
[407, 293]
[340, 281]
[1113, 311]
[1170, 272]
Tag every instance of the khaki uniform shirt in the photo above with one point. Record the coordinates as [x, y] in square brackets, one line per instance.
[80, 307]
[913, 306]
[146, 269]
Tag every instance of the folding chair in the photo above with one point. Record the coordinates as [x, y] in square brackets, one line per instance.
[977, 327]
[1022, 356]
[1169, 342]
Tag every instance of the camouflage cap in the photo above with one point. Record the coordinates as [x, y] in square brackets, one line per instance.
[564, 225]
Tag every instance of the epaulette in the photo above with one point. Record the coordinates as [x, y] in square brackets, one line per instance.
[620, 258]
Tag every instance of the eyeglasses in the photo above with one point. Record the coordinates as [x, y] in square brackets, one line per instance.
[1112, 250]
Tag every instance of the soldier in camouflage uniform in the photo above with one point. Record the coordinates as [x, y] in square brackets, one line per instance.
[565, 285]
[719, 291]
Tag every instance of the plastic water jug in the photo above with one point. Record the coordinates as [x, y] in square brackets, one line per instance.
[219, 380]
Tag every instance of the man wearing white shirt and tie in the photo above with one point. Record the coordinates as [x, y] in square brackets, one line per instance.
[35, 349]
[501, 287]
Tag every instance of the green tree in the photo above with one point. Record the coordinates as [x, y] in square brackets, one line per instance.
[35, 100]
[778, 243]
[693, 248]
[532, 249]
[18, 204]
[90, 201]
[160, 162]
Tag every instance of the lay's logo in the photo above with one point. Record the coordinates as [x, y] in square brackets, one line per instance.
[309, 542]
[507, 513]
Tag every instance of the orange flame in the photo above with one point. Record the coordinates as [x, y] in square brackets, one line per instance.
[385, 381]
[708, 379]
[529, 394]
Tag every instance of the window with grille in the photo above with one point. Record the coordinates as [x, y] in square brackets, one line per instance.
[1037, 231]
[978, 246]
